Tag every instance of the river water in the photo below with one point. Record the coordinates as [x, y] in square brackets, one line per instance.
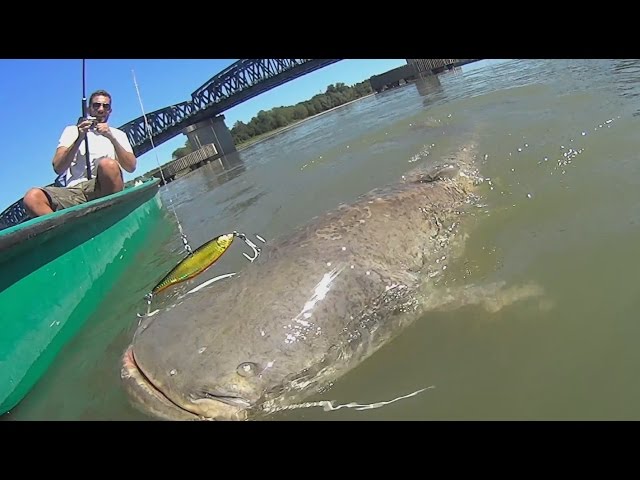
[556, 141]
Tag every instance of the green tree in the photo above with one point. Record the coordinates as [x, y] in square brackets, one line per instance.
[279, 117]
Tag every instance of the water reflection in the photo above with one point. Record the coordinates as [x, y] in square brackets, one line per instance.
[430, 87]
[428, 84]
[223, 169]
[207, 177]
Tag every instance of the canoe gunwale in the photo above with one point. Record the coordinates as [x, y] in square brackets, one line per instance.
[36, 226]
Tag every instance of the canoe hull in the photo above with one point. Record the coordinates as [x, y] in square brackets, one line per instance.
[55, 272]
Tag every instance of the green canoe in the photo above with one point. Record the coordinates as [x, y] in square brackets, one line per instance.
[55, 270]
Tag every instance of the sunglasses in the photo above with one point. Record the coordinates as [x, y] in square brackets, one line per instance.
[96, 105]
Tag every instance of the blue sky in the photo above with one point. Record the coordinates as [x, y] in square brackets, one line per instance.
[38, 98]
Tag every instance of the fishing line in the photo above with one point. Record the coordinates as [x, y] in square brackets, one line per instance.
[327, 405]
[183, 236]
[191, 255]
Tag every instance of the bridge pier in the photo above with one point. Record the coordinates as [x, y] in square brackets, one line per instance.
[211, 131]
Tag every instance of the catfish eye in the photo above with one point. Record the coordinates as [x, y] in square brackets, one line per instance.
[247, 369]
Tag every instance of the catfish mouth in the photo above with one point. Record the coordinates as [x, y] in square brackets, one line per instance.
[152, 401]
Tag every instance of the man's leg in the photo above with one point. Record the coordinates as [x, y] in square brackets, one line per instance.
[109, 178]
[37, 203]
[41, 201]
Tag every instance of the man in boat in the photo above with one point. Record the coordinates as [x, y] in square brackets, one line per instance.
[109, 153]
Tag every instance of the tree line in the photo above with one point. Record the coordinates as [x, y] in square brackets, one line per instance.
[279, 117]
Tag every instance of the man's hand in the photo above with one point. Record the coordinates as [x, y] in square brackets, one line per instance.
[84, 125]
[103, 129]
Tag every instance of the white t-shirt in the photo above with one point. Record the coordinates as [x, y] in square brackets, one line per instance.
[99, 147]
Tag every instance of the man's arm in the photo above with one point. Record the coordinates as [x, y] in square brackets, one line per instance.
[121, 144]
[70, 141]
[126, 158]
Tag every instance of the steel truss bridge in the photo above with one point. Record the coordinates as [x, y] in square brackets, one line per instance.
[238, 83]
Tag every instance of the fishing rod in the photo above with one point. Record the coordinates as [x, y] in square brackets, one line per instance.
[85, 117]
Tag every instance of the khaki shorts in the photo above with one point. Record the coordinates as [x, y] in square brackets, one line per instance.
[65, 197]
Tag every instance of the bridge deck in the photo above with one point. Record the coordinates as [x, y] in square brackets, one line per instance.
[241, 81]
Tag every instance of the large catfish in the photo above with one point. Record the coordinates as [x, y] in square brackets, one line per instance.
[313, 306]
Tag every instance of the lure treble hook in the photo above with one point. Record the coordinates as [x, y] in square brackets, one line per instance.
[256, 249]
[148, 297]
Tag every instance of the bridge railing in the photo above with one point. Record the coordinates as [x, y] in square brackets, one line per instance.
[170, 169]
[200, 155]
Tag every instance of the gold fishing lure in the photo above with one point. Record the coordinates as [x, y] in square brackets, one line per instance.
[197, 262]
